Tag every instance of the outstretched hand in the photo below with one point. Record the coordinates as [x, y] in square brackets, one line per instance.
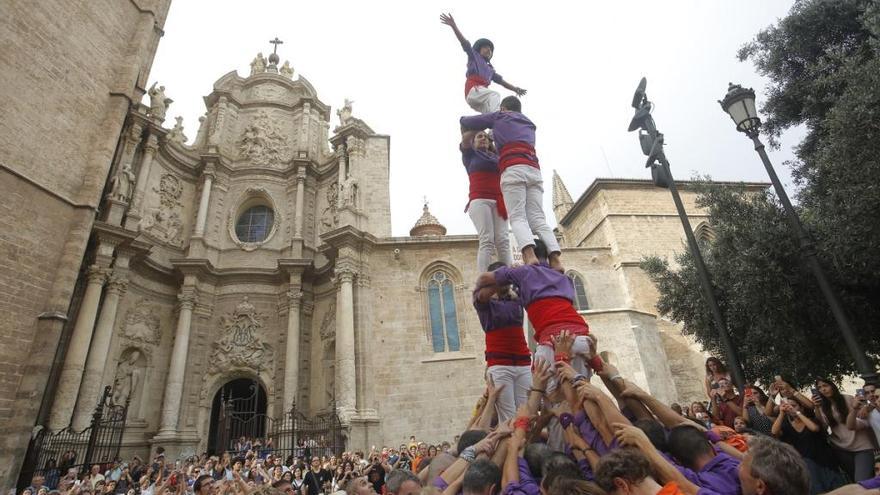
[520, 91]
[628, 435]
[562, 343]
[633, 391]
[447, 19]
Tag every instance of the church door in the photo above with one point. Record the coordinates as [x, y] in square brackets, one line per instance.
[238, 410]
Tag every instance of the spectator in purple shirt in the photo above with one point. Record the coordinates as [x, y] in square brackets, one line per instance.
[480, 72]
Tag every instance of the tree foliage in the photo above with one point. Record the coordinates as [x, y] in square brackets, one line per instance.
[823, 62]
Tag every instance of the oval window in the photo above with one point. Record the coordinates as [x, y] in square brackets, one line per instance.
[254, 224]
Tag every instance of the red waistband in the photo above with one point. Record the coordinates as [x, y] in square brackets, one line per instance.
[517, 153]
[507, 344]
[487, 185]
[552, 315]
[474, 80]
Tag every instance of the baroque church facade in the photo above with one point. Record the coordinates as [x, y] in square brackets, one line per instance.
[253, 254]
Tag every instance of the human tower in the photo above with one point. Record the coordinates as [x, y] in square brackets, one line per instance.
[498, 153]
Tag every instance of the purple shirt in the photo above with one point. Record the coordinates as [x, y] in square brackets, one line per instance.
[720, 476]
[499, 313]
[536, 282]
[507, 127]
[591, 435]
[871, 483]
[475, 160]
[479, 66]
[526, 484]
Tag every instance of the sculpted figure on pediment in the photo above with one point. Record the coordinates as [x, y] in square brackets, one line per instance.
[263, 143]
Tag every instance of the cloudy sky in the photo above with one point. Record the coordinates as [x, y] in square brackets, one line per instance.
[580, 62]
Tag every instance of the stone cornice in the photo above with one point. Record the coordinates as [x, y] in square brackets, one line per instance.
[294, 266]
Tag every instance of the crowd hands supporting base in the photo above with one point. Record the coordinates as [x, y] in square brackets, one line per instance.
[568, 436]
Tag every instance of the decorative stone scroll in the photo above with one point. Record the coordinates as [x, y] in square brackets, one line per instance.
[241, 346]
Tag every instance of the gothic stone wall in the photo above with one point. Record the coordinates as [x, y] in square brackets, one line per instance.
[61, 61]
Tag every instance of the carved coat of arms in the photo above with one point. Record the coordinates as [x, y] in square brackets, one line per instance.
[241, 346]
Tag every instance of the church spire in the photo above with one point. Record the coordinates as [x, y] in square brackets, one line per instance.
[562, 202]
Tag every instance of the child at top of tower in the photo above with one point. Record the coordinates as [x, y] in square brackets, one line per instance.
[480, 72]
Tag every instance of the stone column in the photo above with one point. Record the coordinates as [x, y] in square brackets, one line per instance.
[77, 350]
[345, 348]
[135, 211]
[205, 201]
[291, 356]
[298, 216]
[174, 381]
[91, 386]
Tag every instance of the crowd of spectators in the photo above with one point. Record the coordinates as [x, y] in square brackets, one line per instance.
[580, 439]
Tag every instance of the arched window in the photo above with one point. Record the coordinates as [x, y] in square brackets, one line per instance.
[442, 314]
[580, 292]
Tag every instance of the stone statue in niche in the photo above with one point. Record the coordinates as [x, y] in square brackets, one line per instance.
[241, 346]
[121, 183]
[330, 215]
[142, 323]
[287, 70]
[263, 143]
[176, 134]
[163, 222]
[129, 374]
[344, 113]
[328, 323]
[159, 103]
[348, 191]
[258, 64]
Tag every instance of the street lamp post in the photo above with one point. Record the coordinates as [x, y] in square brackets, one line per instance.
[651, 141]
[739, 103]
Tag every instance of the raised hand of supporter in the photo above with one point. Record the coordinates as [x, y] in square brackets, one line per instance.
[631, 436]
[588, 391]
[541, 372]
[560, 409]
[487, 444]
[564, 371]
[492, 390]
[562, 343]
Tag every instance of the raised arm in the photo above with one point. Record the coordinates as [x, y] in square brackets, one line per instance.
[664, 413]
[449, 21]
[477, 122]
[516, 89]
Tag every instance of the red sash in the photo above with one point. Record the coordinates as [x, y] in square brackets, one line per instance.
[552, 315]
[507, 347]
[517, 153]
[486, 185]
[474, 80]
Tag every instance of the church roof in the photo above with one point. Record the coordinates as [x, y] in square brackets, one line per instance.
[427, 224]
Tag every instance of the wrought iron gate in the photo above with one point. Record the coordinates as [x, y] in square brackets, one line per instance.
[240, 417]
[52, 454]
[292, 434]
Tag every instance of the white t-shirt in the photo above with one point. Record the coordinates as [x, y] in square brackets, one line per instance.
[874, 420]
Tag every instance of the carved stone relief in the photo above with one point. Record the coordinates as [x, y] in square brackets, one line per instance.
[328, 324]
[141, 323]
[241, 346]
[163, 222]
[263, 143]
[330, 215]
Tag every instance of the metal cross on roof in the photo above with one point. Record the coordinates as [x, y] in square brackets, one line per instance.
[276, 42]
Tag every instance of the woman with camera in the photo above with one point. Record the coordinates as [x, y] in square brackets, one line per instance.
[805, 434]
[853, 445]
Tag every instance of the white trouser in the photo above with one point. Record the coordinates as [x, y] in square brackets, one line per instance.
[517, 381]
[483, 99]
[492, 231]
[523, 191]
[579, 350]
